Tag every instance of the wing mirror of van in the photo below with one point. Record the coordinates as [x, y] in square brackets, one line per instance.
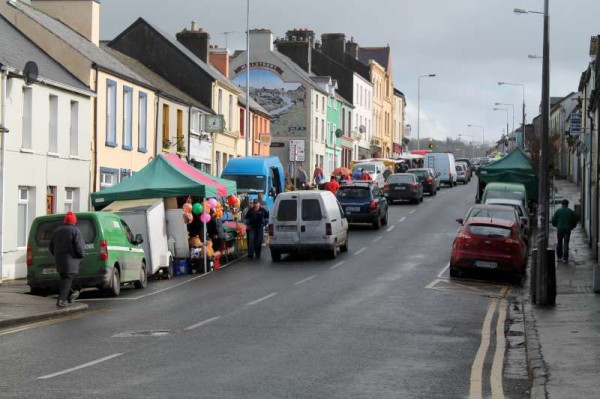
[139, 239]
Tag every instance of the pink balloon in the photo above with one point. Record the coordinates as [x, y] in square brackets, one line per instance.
[212, 203]
[205, 218]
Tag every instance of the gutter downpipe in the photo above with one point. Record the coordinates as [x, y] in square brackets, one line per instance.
[96, 169]
[2, 163]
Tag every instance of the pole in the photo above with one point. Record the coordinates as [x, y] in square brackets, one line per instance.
[205, 245]
[248, 79]
[418, 113]
[542, 297]
[524, 146]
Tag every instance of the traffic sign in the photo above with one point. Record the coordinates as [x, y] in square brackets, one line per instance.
[297, 150]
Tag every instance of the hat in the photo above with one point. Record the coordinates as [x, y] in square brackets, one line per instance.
[565, 202]
[255, 201]
[70, 218]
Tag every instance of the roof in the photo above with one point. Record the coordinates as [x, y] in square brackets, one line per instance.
[17, 50]
[305, 77]
[155, 79]
[381, 55]
[165, 176]
[86, 48]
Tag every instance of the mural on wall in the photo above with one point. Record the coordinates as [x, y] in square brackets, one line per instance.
[284, 101]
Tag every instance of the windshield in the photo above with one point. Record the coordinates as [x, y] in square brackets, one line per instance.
[504, 194]
[489, 231]
[369, 167]
[247, 183]
[489, 213]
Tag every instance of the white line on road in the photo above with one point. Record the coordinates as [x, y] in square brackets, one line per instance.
[45, 377]
[360, 251]
[305, 280]
[377, 238]
[413, 211]
[476, 390]
[440, 274]
[496, 375]
[338, 264]
[202, 323]
[264, 298]
[402, 220]
[392, 227]
[433, 283]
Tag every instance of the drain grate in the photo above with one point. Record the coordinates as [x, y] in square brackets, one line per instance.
[514, 333]
[146, 333]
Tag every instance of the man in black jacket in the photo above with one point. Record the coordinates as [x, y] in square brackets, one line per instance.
[256, 220]
[68, 247]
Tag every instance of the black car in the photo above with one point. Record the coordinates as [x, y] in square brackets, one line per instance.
[427, 178]
[403, 186]
[363, 202]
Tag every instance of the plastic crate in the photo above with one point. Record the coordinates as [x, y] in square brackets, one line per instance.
[181, 267]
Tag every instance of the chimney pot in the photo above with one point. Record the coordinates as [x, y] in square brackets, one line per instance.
[193, 26]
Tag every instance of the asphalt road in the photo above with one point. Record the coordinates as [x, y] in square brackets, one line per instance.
[381, 321]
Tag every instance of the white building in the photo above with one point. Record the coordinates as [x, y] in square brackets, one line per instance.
[361, 117]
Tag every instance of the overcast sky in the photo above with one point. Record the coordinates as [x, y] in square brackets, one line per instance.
[470, 45]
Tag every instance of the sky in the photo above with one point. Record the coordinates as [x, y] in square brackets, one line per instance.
[470, 45]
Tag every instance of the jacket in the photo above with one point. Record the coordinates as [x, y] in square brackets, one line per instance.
[564, 219]
[257, 218]
[68, 247]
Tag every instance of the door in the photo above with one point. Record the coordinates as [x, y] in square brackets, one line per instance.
[286, 222]
[133, 255]
[312, 224]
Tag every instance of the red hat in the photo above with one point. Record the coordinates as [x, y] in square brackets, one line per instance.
[70, 218]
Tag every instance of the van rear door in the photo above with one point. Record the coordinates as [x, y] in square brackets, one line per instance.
[285, 222]
[312, 224]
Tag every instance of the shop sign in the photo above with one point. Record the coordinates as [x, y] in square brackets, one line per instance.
[264, 138]
[575, 124]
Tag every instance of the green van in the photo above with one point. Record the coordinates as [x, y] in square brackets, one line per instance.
[505, 190]
[112, 254]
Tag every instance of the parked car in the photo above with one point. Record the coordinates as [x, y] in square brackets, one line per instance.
[403, 186]
[375, 169]
[363, 202]
[491, 244]
[461, 174]
[467, 169]
[505, 190]
[307, 221]
[518, 206]
[443, 163]
[428, 178]
[113, 255]
[491, 212]
[469, 164]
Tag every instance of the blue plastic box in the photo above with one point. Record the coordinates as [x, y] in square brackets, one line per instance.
[181, 267]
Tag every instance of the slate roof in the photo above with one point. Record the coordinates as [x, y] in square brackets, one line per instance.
[88, 49]
[301, 72]
[254, 106]
[381, 55]
[17, 49]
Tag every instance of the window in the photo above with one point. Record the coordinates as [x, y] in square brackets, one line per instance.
[165, 127]
[71, 199]
[74, 129]
[230, 124]
[127, 117]
[108, 177]
[27, 115]
[111, 113]
[329, 131]
[142, 122]
[22, 216]
[220, 102]
[180, 141]
[323, 103]
[311, 209]
[287, 211]
[316, 128]
[218, 162]
[322, 129]
[53, 125]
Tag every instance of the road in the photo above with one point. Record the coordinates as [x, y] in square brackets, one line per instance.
[381, 321]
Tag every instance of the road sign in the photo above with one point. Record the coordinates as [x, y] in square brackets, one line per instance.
[297, 150]
[575, 124]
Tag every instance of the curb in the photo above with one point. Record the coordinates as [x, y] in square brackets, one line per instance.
[79, 308]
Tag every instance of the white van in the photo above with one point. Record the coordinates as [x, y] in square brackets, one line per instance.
[442, 163]
[305, 221]
[375, 169]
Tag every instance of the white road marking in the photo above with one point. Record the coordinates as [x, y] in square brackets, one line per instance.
[377, 238]
[496, 375]
[45, 377]
[476, 390]
[305, 280]
[338, 264]
[440, 274]
[360, 251]
[433, 283]
[402, 220]
[392, 227]
[204, 322]
[264, 298]
[413, 211]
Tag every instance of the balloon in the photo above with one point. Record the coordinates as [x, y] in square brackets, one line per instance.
[205, 218]
[187, 218]
[232, 200]
[238, 203]
[196, 209]
[187, 207]
[212, 203]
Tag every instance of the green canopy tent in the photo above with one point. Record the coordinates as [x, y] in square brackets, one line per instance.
[165, 176]
[513, 168]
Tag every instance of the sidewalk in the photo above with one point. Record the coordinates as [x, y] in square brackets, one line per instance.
[17, 307]
[563, 341]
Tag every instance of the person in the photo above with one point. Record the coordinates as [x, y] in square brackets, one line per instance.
[215, 231]
[387, 172]
[565, 220]
[357, 173]
[332, 185]
[364, 175]
[68, 247]
[289, 186]
[318, 175]
[256, 220]
[261, 200]
[301, 178]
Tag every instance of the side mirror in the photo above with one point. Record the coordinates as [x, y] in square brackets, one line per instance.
[524, 221]
[477, 201]
[139, 239]
[460, 221]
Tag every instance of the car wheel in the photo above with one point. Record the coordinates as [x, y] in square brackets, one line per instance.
[516, 278]
[377, 222]
[115, 283]
[453, 271]
[333, 252]
[143, 281]
[275, 256]
[37, 291]
[169, 274]
[344, 248]
[384, 221]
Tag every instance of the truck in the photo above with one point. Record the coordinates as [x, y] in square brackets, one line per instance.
[257, 174]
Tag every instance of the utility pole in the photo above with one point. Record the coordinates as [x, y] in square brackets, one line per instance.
[227, 34]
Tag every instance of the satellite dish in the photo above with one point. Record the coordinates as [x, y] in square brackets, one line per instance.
[30, 73]
[362, 129]
[338, 133]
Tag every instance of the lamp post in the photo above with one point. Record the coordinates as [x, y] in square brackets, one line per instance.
[523, 86]
[248, 78]
[483, 136]
[431, 75]
[513, 114]
[504, 109]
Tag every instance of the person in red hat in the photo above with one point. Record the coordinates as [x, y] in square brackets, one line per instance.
[68, 247]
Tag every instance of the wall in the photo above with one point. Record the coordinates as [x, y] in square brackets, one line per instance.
[362, 115]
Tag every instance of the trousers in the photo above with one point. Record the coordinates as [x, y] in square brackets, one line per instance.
[255, 239]
[562, 246]
[66, 280]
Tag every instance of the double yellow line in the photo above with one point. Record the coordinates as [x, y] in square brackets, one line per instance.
[48, 322]
[476, 389]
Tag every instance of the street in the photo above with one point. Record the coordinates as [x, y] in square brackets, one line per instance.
[381, 321]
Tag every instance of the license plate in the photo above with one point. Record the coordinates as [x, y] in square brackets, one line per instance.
[286, 228]
[353, 209]
[486, 265]
[49, 270]
[399, 188]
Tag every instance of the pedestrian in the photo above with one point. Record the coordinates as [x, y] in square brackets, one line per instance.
[302, 178]
[332, 185]
[356, 174]
[256, 220]
[318, 175]
[565, 220]
[364, 175]
[68, 247]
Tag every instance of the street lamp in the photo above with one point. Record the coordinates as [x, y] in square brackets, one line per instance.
[523, 11]
[513, 114]
[534, 57]
[483, 136]
[248, 78]
[431, 75]
[523, 86]
[504, 109]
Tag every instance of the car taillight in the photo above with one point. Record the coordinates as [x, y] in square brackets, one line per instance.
[373, 205]
[429, 179]
[463, 239]
[103, 250]
[29, 256]
[271, 229]
[386, 186]
[413, 185]
[328, 229]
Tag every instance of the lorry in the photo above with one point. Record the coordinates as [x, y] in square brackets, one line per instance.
[257, 174]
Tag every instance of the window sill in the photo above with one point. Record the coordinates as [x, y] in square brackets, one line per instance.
[27, 150]
[74, 157]
[53, 155]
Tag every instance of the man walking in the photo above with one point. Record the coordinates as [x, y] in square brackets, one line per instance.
[565, 220]
[68, 247]
[302, 178]
[256, 220]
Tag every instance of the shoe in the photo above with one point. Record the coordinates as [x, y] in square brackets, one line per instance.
[74, 295]
[61, 304]
[258, 257]
[250, 256]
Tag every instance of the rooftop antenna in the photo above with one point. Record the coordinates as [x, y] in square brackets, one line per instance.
[227, 34]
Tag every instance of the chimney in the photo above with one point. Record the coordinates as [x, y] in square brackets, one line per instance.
[195, 40]
[219, 58]
[297, 45]
[83, 16]
[352, 48]
[333, 45]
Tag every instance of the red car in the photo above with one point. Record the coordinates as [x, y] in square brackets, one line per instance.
[489, 244]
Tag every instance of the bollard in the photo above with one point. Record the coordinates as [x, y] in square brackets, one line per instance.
[543, 282]
[533, 276]
[596, 279]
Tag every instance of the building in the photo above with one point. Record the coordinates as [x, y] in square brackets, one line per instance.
[398, 122]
